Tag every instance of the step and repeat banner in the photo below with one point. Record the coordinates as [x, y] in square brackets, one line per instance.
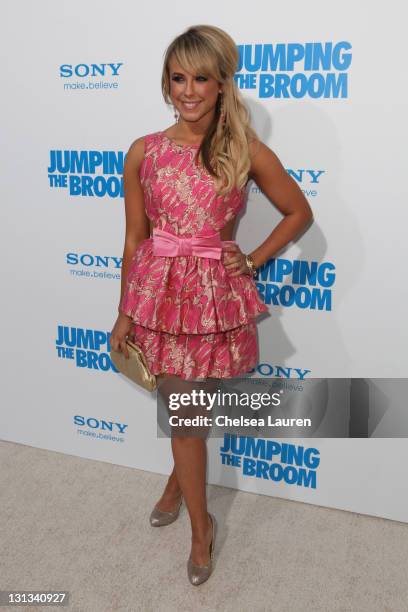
[326, 92]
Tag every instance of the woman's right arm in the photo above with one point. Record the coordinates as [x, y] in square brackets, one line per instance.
[137, 230]
[137, 222]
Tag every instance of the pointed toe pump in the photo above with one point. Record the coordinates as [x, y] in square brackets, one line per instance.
[197, 574]
[158, 518]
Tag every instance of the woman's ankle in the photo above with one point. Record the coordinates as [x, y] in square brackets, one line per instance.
[200, 532]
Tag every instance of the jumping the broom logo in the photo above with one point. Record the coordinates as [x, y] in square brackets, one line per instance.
[298, 283]
[295, 70]
[271, 460]
[87, 348]
[88, 174]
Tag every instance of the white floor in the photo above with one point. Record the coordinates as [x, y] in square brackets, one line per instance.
[82, 526]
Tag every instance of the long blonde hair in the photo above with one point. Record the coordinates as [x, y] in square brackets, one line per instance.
[224, 151]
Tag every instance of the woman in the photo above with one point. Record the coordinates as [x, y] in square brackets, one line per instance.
[192, 310]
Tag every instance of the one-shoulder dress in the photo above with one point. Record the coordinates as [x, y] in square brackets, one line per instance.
[190, 318]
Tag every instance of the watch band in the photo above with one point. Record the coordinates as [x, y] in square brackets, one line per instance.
[250, 264]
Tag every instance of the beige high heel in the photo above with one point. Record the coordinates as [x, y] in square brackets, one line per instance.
[159, 518]
[197, 574]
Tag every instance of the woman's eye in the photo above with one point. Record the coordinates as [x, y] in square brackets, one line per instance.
[178, 78]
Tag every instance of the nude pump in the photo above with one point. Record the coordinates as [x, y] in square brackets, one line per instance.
[197, 574]
[159, 518]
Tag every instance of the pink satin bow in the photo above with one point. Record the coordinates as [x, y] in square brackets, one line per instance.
[170, 245]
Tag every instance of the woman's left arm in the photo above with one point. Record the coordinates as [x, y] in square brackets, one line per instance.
[283, 191]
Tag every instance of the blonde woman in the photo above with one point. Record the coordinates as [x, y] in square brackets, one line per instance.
[188, 296]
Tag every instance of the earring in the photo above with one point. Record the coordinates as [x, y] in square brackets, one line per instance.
[176, 115]
[222, 110]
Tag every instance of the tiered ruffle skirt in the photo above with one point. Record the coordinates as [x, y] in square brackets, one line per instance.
[190, 317]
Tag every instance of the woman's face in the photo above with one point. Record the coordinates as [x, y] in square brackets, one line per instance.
[193, 95]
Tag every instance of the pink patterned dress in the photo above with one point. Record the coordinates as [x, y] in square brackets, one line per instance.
[190, 317]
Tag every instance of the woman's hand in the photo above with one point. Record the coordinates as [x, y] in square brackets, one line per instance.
[234, 260]
[119, 334]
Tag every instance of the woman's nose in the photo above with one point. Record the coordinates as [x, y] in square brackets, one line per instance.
[189, 89]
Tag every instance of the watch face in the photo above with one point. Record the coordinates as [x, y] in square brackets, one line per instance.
[250, 264]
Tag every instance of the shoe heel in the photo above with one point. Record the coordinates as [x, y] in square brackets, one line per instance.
[214, 534]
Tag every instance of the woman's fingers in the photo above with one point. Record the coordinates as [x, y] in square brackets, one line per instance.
[230, 250]
[234, 261]
[121, 331]
[236, 269]
[119, 346]
[232, 254]
[238, 272]
[124, 348]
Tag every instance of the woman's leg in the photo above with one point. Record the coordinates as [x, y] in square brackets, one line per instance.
[170, 500]
[190, 459]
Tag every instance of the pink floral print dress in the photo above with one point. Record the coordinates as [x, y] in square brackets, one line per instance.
[190, 318]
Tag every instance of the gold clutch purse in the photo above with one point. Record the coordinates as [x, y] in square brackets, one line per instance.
[135, 368]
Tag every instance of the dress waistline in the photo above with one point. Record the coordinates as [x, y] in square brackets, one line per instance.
[166, 244]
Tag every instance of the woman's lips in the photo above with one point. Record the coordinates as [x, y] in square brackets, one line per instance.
[190, 105]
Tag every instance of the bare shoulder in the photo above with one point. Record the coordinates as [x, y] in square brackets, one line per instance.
[258, 149]
[262, 157]
[254, 145]
[135, 153]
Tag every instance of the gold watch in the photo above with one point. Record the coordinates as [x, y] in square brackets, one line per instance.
[251, 265]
